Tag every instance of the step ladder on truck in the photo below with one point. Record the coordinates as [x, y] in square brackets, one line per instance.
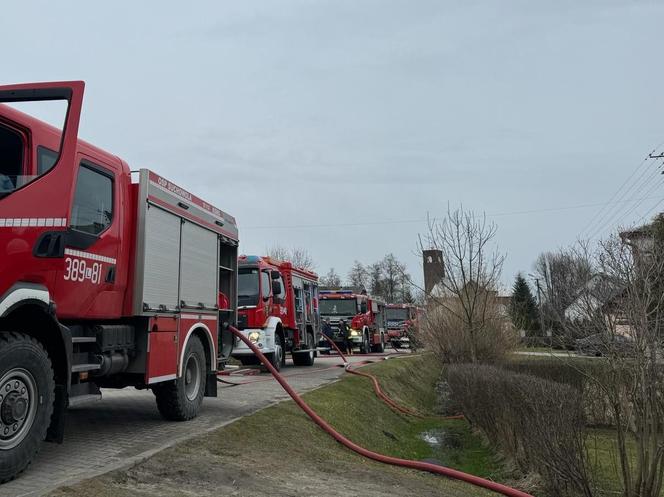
[107, 279]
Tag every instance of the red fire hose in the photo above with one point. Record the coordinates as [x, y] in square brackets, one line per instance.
[422, 466]
[374, 380]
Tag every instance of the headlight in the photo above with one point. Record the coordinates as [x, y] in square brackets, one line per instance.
[254, 336]
[354, 333]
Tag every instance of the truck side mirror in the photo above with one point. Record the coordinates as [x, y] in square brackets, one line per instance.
[363, 307]
[276, 288]
[275, 274]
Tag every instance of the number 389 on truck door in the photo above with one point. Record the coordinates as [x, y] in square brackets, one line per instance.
[91, 283]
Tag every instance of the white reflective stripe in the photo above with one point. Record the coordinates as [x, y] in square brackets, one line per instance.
[206, 317]
[31, 222]
[23, 294]
[166, 377]
[89, 255]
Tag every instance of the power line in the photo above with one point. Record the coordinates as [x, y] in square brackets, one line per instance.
[652, 209]
[637, 205]
[609, 214]
[592, 219]
[414, 221]
[616, 218]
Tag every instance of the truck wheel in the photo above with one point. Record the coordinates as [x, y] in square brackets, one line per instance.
[365, 347]
[278, 357]
[181, 399]
[306, 357]
[27, 392]
[380, 348]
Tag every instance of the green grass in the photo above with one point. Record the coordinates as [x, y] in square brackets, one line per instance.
[604, 460]
[411, 382]
[276, 441]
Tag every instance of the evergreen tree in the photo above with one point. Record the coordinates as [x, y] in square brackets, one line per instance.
[523, 308]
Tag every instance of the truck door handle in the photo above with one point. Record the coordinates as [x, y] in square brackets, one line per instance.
[110, 275]
[50, 244]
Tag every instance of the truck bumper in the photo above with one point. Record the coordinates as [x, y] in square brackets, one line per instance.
[264, 341]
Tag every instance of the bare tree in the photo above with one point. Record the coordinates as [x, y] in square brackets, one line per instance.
[331, 279]
[298, 256]
[375, 278]
[358, 276]
[560, 275]
[623, 309]
[473, 267]
[394, 273]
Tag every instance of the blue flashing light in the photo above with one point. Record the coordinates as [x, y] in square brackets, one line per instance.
[253, 259]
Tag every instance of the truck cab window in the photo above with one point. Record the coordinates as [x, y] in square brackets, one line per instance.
[282, 295]
[92, 211]
[11, 160]
[266, 284]
[46, 159]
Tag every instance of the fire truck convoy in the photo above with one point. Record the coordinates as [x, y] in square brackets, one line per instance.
[277, 311]
[105, 280]
[364, 314]
[401, 322]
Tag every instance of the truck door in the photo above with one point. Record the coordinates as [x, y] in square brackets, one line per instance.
[87, 286]
[35, 196]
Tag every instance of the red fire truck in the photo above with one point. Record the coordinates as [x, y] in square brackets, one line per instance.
[401, 322]
[365, 315]
[106, 280]
[277, 310]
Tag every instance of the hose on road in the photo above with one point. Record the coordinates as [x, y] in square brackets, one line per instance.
[419, 465]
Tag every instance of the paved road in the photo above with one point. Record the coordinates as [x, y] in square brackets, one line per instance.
[568, 354]
[125, 427]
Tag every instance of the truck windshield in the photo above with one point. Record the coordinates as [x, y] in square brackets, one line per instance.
[396, 314]
[247, 286]
[338, 307]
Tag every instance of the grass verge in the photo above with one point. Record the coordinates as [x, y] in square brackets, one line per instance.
[280, 452]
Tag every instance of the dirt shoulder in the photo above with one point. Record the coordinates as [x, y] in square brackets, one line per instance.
[280, 452]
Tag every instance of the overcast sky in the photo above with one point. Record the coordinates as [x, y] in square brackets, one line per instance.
[300, 116]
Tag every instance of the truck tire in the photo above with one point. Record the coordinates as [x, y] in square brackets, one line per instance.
[181, 399]
[365, 348]
[306, 357]
[278, 357]
[27, 393]
[380, 348]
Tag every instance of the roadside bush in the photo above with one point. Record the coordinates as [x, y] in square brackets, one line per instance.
[578, 373]
[450, 337]
[537, 423]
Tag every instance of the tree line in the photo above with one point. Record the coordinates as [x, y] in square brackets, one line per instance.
[387, 278]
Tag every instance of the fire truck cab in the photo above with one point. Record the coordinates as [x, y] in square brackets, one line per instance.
[106, 279]
[401, 321]
[277, 310]
[363, 314]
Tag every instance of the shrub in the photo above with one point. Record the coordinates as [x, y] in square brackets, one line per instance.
[537, 423]
[577, 373]
[447, 334]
